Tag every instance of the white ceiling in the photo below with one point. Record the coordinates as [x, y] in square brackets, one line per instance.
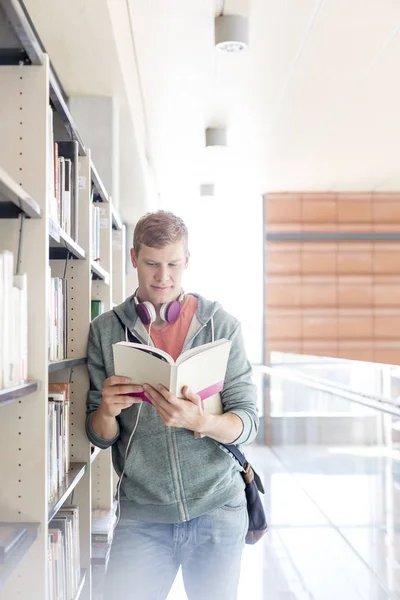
[312, 105]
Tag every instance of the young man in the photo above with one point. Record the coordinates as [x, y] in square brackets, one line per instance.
[182, 499]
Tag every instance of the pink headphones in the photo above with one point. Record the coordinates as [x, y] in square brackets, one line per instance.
[169, 312]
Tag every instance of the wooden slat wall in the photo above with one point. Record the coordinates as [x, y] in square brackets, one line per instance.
[333, 298]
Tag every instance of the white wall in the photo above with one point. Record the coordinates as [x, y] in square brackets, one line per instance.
[226, 264]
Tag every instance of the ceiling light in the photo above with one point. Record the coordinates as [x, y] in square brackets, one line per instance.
[207, 190]
[215, 136]
[231, 33]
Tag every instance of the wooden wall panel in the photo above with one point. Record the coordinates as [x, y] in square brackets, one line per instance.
[329, 292]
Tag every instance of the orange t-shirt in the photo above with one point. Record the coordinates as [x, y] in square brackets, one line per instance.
[172, 336]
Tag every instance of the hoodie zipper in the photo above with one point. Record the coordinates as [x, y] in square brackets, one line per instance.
[182, 510]
[173, 458]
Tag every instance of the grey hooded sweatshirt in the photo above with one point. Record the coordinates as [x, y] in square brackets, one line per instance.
[170, 476]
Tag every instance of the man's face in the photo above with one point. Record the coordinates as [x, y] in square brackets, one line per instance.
[160, 272]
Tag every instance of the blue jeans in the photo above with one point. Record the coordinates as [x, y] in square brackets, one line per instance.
[145, 557]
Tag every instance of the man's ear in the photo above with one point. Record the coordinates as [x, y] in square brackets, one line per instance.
[187, 259]
[133, 257]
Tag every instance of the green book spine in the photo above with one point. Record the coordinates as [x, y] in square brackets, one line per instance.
[96, 308]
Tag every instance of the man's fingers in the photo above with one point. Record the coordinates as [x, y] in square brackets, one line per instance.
[117, 380]
[118, 390]
[189, 395]
[123, 405]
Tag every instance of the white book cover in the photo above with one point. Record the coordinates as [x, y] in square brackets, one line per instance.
[21, 282]
[15, 337]
[61, 162]
[52, 312]
[6, 333]
[1, 318]
[67, 195]
[202, 369]
[51, 192]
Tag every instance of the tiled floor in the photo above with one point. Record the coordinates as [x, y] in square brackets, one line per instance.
[335, 526]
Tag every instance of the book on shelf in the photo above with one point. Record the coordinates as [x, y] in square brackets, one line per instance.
[64, 553]
[69, 150]
[95, 239]
[103, 524]
[58, 436]
[202, 369]
[100, 555]
[96, 308]
[52, 170]
[13, 323]
[57, 318]
[63, 182]
[11, 536]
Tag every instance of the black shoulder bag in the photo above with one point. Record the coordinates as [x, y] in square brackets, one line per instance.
[257, 521]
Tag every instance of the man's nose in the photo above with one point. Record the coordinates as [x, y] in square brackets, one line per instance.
[162, 273]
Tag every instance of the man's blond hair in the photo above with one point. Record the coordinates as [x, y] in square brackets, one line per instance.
[159, 229]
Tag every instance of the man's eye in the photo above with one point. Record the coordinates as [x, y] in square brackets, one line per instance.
[173, 265]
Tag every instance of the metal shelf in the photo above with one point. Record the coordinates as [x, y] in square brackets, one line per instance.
[81, 584]
[95, 454]
[99, 273]
[15, 200]
[98, 184]
[18, 554]
[116, 219]
[10, 394]
[62, 245]
[72, 478]
[66, 364]
[33, 47]
[100, 556]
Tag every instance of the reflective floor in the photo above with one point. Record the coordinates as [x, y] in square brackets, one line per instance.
[335, 526]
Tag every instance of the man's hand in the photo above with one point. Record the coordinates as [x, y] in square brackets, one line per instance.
[176, 412]
[114, 399]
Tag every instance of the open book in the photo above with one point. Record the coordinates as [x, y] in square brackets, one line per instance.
[202, 369]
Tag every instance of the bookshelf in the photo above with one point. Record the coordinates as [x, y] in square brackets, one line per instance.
[14, 200]
[30, 232]
[75, 474]
[8, 568]
[81, 584]
[11, 394]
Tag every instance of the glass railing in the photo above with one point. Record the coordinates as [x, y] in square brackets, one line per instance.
[357, 384]
[326, 400]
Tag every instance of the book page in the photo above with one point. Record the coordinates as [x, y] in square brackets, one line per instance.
[199, 349]
[141, 366]
[149, 349]
[204, 373]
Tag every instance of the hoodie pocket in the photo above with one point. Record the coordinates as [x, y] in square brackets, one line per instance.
[148, 471]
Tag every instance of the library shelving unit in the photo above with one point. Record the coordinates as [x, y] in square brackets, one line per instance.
[27, 229]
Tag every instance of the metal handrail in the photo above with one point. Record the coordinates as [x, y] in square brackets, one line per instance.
[387, 405]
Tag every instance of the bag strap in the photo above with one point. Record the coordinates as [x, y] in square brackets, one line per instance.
[236, 453]
[240, 457]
